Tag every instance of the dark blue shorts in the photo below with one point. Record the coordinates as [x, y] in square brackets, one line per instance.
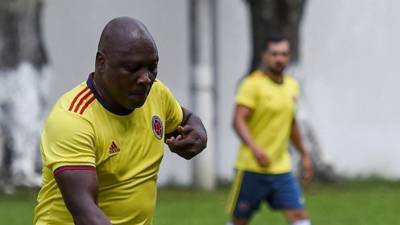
[280, 191]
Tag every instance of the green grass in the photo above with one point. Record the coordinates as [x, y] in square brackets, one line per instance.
[17, 209]
[370, 202]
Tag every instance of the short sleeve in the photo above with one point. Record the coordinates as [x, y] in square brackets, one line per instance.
[67, 140]
[247, 94]
[296, 88]
[295, 92]
[173, 110]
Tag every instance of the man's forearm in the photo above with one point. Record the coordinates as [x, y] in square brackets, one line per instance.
[296, 138]
[79, 191]
[244, 134]
[94, 216]
[195, 122]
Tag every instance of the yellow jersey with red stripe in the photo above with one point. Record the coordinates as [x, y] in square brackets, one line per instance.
[273, 106]
[125, 149]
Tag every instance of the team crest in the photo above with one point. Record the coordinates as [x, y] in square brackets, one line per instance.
[157, 127]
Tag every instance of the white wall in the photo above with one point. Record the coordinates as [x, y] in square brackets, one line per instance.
[351, 75]
[348, 71]
[234, 58]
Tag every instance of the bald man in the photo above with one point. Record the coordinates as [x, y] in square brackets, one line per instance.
[103, 141]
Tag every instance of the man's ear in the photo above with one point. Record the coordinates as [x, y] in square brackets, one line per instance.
[100, 61]
[263, 54]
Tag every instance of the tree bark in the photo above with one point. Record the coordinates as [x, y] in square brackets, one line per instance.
[271, 17]
[23, 61]
[21, 34]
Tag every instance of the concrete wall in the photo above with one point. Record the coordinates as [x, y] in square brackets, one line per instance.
[351, 77]
[348, 71]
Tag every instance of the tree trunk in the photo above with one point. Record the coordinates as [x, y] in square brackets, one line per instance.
[284, 17]
[274, 16]
[23, 76]
[20, 34]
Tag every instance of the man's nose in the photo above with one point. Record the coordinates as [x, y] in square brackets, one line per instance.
[280, 59]
[144, 78]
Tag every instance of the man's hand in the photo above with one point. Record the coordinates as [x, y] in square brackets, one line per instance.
[261, 157]
[187, 141]
[308, 172]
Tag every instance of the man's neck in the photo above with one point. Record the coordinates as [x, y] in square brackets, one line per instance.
[275, 77]
[99, 86]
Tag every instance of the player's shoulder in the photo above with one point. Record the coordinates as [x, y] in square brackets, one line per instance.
[78, 100]
[253, 78]
[290, 80]
[66, 122]
[159, 90]
[66, 127]
[72, 105]
[158, 86]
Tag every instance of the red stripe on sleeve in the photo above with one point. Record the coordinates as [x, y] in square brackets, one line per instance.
[64, 168]
[87, 104]
[76, 98]
[81, 101]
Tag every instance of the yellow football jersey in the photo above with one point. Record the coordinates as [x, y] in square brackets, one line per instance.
[125, 149]
[273, 106]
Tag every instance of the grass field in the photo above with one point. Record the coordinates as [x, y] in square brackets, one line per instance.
[369, 202]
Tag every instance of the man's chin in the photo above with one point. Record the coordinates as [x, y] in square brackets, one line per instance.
[140, 104]
[278, 71]
[136, 101]
[136, 104]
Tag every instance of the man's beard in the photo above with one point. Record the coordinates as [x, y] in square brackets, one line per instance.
[278, 70]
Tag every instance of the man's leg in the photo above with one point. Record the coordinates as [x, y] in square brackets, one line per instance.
[288, 198]
[297, 216]
[238, 221]
[245, 197]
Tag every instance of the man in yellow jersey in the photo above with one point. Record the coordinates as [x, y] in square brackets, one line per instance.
[264, 120]
[102, 143]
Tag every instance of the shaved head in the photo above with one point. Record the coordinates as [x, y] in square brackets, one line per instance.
[126, 63]
[123, 31]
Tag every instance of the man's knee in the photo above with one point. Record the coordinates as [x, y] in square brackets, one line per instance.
[238, 221]
[296, 215]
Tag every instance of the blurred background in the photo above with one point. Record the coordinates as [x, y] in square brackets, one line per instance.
[345, 57]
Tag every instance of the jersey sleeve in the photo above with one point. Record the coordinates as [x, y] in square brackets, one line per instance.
[296, 94]
[296, 88]
[247, 94]
[173, 110]
[67, 140]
